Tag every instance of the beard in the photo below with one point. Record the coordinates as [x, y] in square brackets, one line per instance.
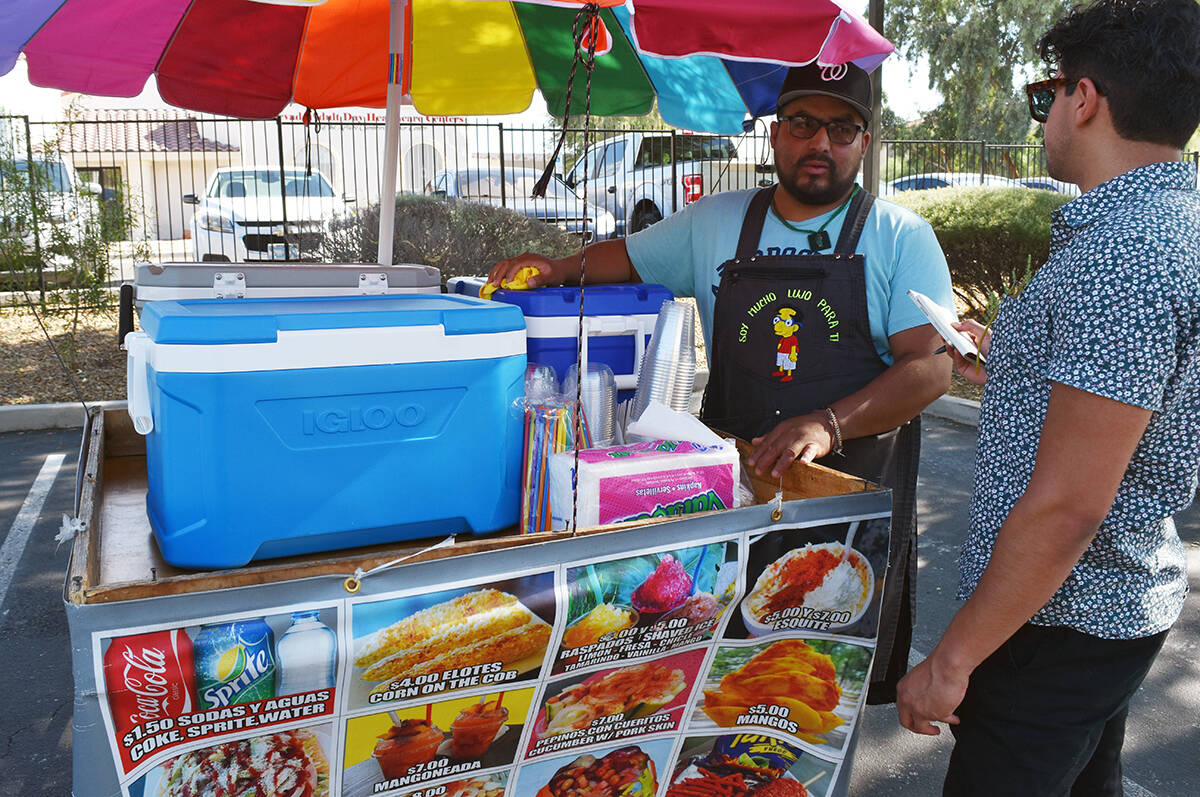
[824, 190]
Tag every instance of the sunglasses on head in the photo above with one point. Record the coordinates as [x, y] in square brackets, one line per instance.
[1042, 93]
[804, 127]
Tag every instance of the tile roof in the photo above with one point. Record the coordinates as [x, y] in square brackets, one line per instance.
[98, 131]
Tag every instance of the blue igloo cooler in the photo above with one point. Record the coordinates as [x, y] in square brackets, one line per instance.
[618, 319]
[286, 426]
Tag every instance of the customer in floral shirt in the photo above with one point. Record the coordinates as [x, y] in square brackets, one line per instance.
[1089, 432]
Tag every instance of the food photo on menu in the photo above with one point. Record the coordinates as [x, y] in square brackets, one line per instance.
[811, 580]
[626, 770]
[615, 703]
[645, 604]
[809, 689]
[458, 739]
[490, 785]
[748, 765]
[258, 672]
[415, 646]
[292, 763]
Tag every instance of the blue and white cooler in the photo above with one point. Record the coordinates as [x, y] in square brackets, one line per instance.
[285, 426]
[618, 321]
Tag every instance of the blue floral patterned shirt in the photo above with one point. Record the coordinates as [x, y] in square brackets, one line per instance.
[1115, 312]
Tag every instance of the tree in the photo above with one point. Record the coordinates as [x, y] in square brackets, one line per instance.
[980, 55]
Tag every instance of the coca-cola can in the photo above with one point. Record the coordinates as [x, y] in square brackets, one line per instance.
[149, 677]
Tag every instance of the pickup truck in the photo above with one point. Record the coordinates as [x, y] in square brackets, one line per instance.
[632, 176]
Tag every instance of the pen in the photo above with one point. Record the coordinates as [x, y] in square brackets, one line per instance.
[942, 350]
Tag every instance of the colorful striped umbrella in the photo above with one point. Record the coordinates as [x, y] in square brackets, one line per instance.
[713, 65]
[709, 62]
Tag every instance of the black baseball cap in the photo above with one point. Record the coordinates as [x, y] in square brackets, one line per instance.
[846, 82]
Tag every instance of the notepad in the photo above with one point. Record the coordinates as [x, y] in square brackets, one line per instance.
[943, 321]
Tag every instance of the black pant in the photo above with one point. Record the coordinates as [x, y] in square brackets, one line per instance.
[1044, 716]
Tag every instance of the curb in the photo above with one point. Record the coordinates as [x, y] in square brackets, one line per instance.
[952, 408]
[32, 417]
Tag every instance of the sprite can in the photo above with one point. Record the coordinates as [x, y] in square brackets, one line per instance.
[235, 663]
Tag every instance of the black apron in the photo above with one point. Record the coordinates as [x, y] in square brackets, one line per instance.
[791, 335]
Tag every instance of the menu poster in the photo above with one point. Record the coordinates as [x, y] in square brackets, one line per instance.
[746, 763]
[629, 770]
[732, 664]
[167, 688]
[645, 604]
[808, 689]
[799, 581]
[406, 747]
[425, 644]
[616, 703]
[286, 762]
[492, 784]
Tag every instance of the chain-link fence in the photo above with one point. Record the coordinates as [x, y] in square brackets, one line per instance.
[109, 189]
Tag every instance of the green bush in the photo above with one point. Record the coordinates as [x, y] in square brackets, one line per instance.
[989, 235]
[460, 238]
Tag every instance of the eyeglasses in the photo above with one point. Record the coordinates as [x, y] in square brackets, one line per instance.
[1041, 95]
[804, 127]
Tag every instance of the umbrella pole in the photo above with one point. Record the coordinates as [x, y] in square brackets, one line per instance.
[391, 138]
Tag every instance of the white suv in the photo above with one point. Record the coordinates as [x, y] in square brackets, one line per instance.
[251, 213]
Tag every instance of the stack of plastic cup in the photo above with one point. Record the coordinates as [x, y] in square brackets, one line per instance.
[669, 365]
[598, 394]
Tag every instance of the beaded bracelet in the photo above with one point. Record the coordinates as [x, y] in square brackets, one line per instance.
[837, 430]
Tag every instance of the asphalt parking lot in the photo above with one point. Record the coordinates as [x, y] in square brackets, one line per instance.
[37, 487]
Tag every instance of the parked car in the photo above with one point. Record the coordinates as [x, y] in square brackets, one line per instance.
[68, 204]
[1049, 184]
[923, 182]
[512, 187]
[251, 213]
[630, 174]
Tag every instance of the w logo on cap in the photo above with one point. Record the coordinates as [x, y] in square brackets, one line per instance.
[834, 73]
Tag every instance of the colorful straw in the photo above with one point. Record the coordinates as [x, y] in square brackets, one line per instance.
[550, 428]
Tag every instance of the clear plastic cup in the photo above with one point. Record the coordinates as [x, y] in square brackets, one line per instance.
[598, 394]
[668, 372]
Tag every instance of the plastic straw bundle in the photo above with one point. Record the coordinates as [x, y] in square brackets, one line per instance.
[549, 429]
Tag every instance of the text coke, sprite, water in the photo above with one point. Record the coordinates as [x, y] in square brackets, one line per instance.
[307, 655]
[235, 663]
[149, 678]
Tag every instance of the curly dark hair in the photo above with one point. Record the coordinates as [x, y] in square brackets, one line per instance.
[1144, 56]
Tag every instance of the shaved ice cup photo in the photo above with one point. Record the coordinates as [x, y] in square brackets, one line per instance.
[845, 590]
[664, 590]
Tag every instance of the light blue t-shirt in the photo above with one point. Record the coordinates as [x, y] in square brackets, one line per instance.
[684, 250]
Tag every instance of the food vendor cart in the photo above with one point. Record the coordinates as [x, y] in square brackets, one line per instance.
[535, 663]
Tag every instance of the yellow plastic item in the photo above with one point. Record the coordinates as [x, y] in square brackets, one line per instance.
[517, 283]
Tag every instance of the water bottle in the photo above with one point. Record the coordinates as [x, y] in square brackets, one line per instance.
[307, 655]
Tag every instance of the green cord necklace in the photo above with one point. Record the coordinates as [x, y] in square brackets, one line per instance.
[818, 239]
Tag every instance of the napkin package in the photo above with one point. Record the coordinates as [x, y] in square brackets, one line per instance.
[642, 480]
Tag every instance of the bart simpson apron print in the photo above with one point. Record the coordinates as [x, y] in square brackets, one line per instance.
[791, 335]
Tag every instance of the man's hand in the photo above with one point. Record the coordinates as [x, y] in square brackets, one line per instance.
[804, 438]
[607, 263]
[506, 270]
[929, 693]
[982, 337]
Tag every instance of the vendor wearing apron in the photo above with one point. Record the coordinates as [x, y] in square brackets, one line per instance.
[815, 350]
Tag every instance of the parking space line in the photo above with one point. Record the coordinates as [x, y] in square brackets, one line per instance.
[22, 527]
